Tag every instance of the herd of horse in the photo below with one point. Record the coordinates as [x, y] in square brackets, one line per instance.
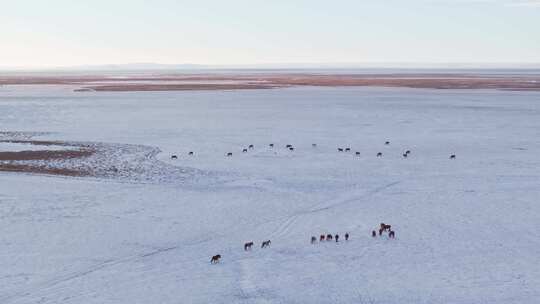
[247, 247]
[322, 238]
[383, 228]
[291, 148]
[328, 237]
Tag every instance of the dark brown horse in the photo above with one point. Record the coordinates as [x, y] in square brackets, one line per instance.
[244, 151]
[247, 246]
[346, 236]
[313, 240]
[340, 149]
[251, 146]
[329, 237]
[385, 227]
[174, 157]
[266, 244]
[190, 153]
[391, 234]
[379, 154]
[215, 259]
[374, 234]
[453, 156]
[229, 154]
[321, 238]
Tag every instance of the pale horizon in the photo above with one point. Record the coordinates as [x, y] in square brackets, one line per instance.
[290, 65]
[61, 33]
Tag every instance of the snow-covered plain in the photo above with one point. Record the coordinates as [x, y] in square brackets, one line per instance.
[467, 230]
[18, 147]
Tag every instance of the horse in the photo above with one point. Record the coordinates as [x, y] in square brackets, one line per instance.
[266, 244]
[385, 227]
[329, 237]
[271, 145]
[357, 153]
[190, 153]
[380, 231]
[288, 146]
[453, 156]
[346, 236]
[229, 154]
[340, 149]
[247, 246]
[408, 152]
[313, 240]
[386, 142]
[347, 149]
[337, 237]
[291, 149]
[405, 155]
[379, 154]
[391, 234]
[251, 146]
[321, 238]
[244, 151]
[314, 145]
[174, 157]
[215, 259]
[374, 234]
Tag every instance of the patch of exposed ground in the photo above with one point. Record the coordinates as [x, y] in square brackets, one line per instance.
[43, 155]
[39, 161]
[93, 159]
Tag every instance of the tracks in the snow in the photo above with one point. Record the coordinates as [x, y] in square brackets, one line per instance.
[249, 290]
[289, 221]
[38, 289]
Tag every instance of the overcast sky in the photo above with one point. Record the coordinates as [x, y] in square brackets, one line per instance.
[37, 33]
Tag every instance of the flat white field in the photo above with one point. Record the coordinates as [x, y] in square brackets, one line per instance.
[467, 230]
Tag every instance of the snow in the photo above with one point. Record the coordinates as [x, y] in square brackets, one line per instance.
[18, 147]
[467, 230]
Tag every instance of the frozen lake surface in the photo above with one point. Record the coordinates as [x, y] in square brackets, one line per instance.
[467, 230]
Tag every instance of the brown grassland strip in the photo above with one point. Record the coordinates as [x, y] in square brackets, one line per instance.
[24, 161]
[269, 80]
[43, 170]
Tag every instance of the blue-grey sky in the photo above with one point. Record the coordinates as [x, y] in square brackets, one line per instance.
[37, 33]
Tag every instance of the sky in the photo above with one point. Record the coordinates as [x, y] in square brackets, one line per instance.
[53, 33]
